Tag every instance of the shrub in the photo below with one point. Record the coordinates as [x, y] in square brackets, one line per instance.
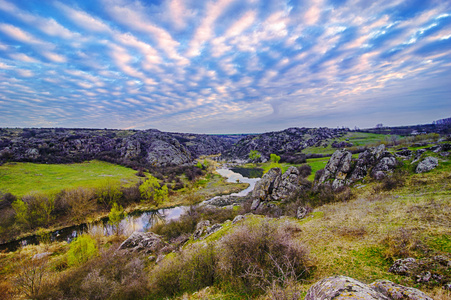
[305, 170]
[81, 249]
[255, 255]
[80, 201]
[115, 217]
[191, 270]
[400, 244]
[318, 174]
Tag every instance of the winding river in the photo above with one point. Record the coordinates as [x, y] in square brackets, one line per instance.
[135, 221]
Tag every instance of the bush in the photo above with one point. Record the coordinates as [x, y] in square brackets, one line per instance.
[305, 170]
[81, 249]
[256, 255]
[191, 270]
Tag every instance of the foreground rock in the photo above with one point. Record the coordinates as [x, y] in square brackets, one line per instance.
[276, 186]
[342, 170]
[147, 242]
[426, 165]
[342, 287]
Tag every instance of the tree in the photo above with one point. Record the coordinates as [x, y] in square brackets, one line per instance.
[81, 249]
[109, 191]
[274, 158]
[254, 155]
[21, 210]
[115, 217]
[151, 190]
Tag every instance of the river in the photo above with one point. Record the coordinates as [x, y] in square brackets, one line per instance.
[135, 221]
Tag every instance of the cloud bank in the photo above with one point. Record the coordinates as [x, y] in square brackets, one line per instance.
[224, 66]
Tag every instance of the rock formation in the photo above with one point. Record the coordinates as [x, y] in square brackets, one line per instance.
[342, 287]
[342, 169]
[277, 186]
[426, 165]
[147, 242]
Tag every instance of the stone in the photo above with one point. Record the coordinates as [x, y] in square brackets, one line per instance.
[301, 212]
[255, 204]
[42, 255]
[342, 287]
[398, 292]
[263, 188]
[339, 164]
[426, 165]
[238, 218]
[143, 242]
[404, 266]
[200, 229]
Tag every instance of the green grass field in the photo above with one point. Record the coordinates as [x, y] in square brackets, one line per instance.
[23, 178]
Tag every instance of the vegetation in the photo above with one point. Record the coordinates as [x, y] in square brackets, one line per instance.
[357, 231]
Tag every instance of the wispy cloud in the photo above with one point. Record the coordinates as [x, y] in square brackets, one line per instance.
[223, 65]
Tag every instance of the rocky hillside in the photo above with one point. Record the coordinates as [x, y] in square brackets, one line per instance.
[149, 148]
[286, 142]
[134, 148]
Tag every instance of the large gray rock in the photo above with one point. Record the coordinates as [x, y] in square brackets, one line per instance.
[404, 266]
[426, 165]
[147, 242]
[276, 186]
[338, 166]
[342, 287]
[162, 153]
[398, 292]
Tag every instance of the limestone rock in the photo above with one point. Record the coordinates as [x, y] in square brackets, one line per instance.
[162, 153]
[404, 266]
[342, 287]
[288, 184]
[398, 292]
[426, 165]
[338, 166]
[264, 187]
[301, 212]
[143, 241]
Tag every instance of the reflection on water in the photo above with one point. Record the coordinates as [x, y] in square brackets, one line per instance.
[140, 221]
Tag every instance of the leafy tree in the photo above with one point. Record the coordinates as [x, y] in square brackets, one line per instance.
[21, 210]
[81, 249]
[274, 158]
[161, 195]
[152, 190]
[115, 217]
[254, 155]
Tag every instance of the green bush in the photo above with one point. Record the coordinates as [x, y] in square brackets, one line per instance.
[81, 249]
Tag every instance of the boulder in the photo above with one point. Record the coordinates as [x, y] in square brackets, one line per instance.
[426, 165]
[302, 212]
[398, 292]
[264, 187]
[288, 184]
[143, 242]
[338, 166]
[275, 186]
[342, 287]
[404, 266]
[161, 154]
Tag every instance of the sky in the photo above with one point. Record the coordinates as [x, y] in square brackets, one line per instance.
[224, 66]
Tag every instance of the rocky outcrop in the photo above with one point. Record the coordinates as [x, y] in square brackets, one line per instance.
[430, 270]
[342, 169]
[342, 287]
[288, 142]
[337, 168]
[147, 242]
[426, 165]
[276, 186]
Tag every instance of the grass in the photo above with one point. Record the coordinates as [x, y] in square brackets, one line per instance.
[316, 164]
[23, 178]
[358, 139]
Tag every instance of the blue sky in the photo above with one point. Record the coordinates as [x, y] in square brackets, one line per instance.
[225, 66]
